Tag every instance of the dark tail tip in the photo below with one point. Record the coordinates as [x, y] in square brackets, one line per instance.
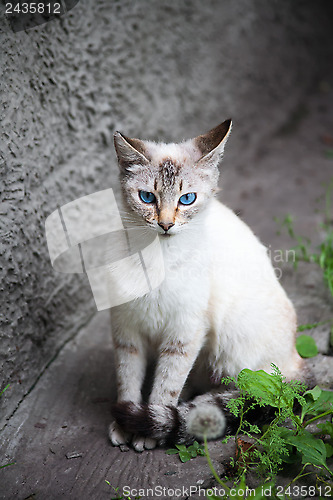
[131, 417]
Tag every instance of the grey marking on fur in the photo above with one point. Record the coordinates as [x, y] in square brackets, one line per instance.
[168, 172]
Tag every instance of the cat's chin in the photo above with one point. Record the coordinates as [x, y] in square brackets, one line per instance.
[172, 232]
[166, 235]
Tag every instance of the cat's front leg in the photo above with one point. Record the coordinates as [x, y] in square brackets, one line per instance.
[130, 364]
[176, 359]
[130, 359]
[177, 356]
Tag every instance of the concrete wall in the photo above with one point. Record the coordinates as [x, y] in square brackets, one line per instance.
[151, 68]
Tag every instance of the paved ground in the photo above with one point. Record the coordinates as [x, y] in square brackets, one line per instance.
[58, 435]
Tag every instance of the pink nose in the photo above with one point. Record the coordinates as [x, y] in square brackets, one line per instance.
[166, 225]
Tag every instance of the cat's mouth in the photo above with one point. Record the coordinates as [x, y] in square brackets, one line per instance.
[165, 234]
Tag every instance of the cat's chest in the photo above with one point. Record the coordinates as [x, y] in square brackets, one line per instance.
[156, 312]
[182, 295]
[170, 305]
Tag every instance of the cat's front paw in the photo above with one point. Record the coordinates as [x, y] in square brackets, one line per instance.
[140, 443]
[117, 435]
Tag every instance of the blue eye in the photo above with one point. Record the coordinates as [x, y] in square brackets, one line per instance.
[188, 199]
[147, 197]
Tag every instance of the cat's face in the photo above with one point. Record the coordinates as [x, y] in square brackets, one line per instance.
[168, 184]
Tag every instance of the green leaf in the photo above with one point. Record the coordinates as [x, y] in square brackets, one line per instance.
[326, 428]
[314, 393]
[240, 489]
[184, 456]
[172, 451]
[196, 445]
[284, 432]
[306, 346]
[262, 386]
[329, 450]
[313, 450]
[310, 326]
[181, 447]
[6, 465]
[1, 393]
[192, 451]
[326, 397]
[322, 404]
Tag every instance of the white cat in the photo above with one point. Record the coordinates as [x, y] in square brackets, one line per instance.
[220, 307]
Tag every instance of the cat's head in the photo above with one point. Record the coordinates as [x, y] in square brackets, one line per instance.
[168, 184]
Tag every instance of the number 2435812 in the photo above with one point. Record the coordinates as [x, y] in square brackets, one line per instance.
[33, 8]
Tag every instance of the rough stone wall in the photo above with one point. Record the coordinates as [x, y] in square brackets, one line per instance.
[154, 69]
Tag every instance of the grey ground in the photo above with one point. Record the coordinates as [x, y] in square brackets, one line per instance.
[57, 437]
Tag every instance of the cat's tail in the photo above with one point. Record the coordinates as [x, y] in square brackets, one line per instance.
[205, 415]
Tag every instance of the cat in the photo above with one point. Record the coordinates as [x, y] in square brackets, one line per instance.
[219, 309]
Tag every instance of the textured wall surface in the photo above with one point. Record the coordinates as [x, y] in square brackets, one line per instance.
[153, 69]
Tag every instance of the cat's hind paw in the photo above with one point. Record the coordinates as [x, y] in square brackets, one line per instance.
[117, 435]
[140, 443]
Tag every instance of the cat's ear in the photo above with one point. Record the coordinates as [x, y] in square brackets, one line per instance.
[211, 145]
[130, 152]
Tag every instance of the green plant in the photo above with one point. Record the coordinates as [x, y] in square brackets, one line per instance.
[266, 452]
[323, 256]
[186, 453]
[310, 326]
[3, 390]
[277, 444]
